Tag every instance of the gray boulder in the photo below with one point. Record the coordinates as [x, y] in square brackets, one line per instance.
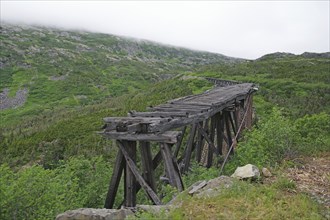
[95, 214]
[248, 171]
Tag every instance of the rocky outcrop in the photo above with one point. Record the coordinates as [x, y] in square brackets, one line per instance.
[248, 171]
[94, 214]
[7, 102]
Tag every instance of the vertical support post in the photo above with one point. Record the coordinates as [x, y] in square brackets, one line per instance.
[188, 152]
[230, 141]
[130, 181]
[115, 179]
[147, 167]
[249, 113]
[220, 129]
[178, 144]
[237, 117]
[212, 135]
[171, 167]
[199, 145]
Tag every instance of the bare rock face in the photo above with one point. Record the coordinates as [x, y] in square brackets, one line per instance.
[95, 214]
[246, 172]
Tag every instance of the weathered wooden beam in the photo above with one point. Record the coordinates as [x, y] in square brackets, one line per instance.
[207, 138]
[220, 129]
[147, 167]
[185, 106]
[228, 132]
[115, 179]
[237, 117]
[189, 147]
[171, 167]
[133, 119]
[212, 148]
[179, 143]
[158, 114]
[180, 122]
[231, 119]
[182, 110]
[199, 143]
[167, 137]
[133, 168]
[128, 149]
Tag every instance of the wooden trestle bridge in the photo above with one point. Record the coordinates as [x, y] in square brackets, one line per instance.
[210, 123]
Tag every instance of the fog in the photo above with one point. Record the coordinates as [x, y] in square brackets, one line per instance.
[246, 29]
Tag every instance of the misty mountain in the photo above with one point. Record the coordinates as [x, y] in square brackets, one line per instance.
[49, 67]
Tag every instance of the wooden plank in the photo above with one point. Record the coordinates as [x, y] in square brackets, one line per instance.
[189, 147]
[138, 176]
[167, 137]
[158, 114]
[132, 120]
[171, 167]
[173, 109]
[115, 179]
[180, 122]
[129, 153]
[182, 105]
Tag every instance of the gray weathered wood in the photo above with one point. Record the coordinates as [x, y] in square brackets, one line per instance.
[179, 143]
[128, 149]
[171, 168]
[167, 137]
[147, 167]
[199, 143]
[189, 148]
[220, 129]
[137, 175]
[228, 132]
[115, 179]
[158, 114]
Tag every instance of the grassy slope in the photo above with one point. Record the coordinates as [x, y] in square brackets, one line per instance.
[55, 124]
[68, 69]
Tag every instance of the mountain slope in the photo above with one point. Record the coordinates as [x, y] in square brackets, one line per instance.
[48, 67]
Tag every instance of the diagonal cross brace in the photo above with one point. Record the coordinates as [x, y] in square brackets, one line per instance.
[138, 176]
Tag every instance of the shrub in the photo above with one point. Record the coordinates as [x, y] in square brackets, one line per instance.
[268, 144]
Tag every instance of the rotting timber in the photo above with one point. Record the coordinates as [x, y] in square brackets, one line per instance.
[211, 122]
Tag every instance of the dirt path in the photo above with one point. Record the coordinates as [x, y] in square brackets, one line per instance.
[313, 178]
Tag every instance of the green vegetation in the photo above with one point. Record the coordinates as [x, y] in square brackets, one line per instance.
[49, 146]
[247, 201]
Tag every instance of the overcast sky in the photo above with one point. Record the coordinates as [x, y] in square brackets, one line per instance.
[247, 29]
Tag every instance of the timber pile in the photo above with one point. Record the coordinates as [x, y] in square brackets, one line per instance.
[215, 120]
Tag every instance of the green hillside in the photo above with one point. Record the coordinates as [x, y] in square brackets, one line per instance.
[57, 85]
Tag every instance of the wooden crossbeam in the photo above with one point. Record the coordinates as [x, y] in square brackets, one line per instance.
[167, 137]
